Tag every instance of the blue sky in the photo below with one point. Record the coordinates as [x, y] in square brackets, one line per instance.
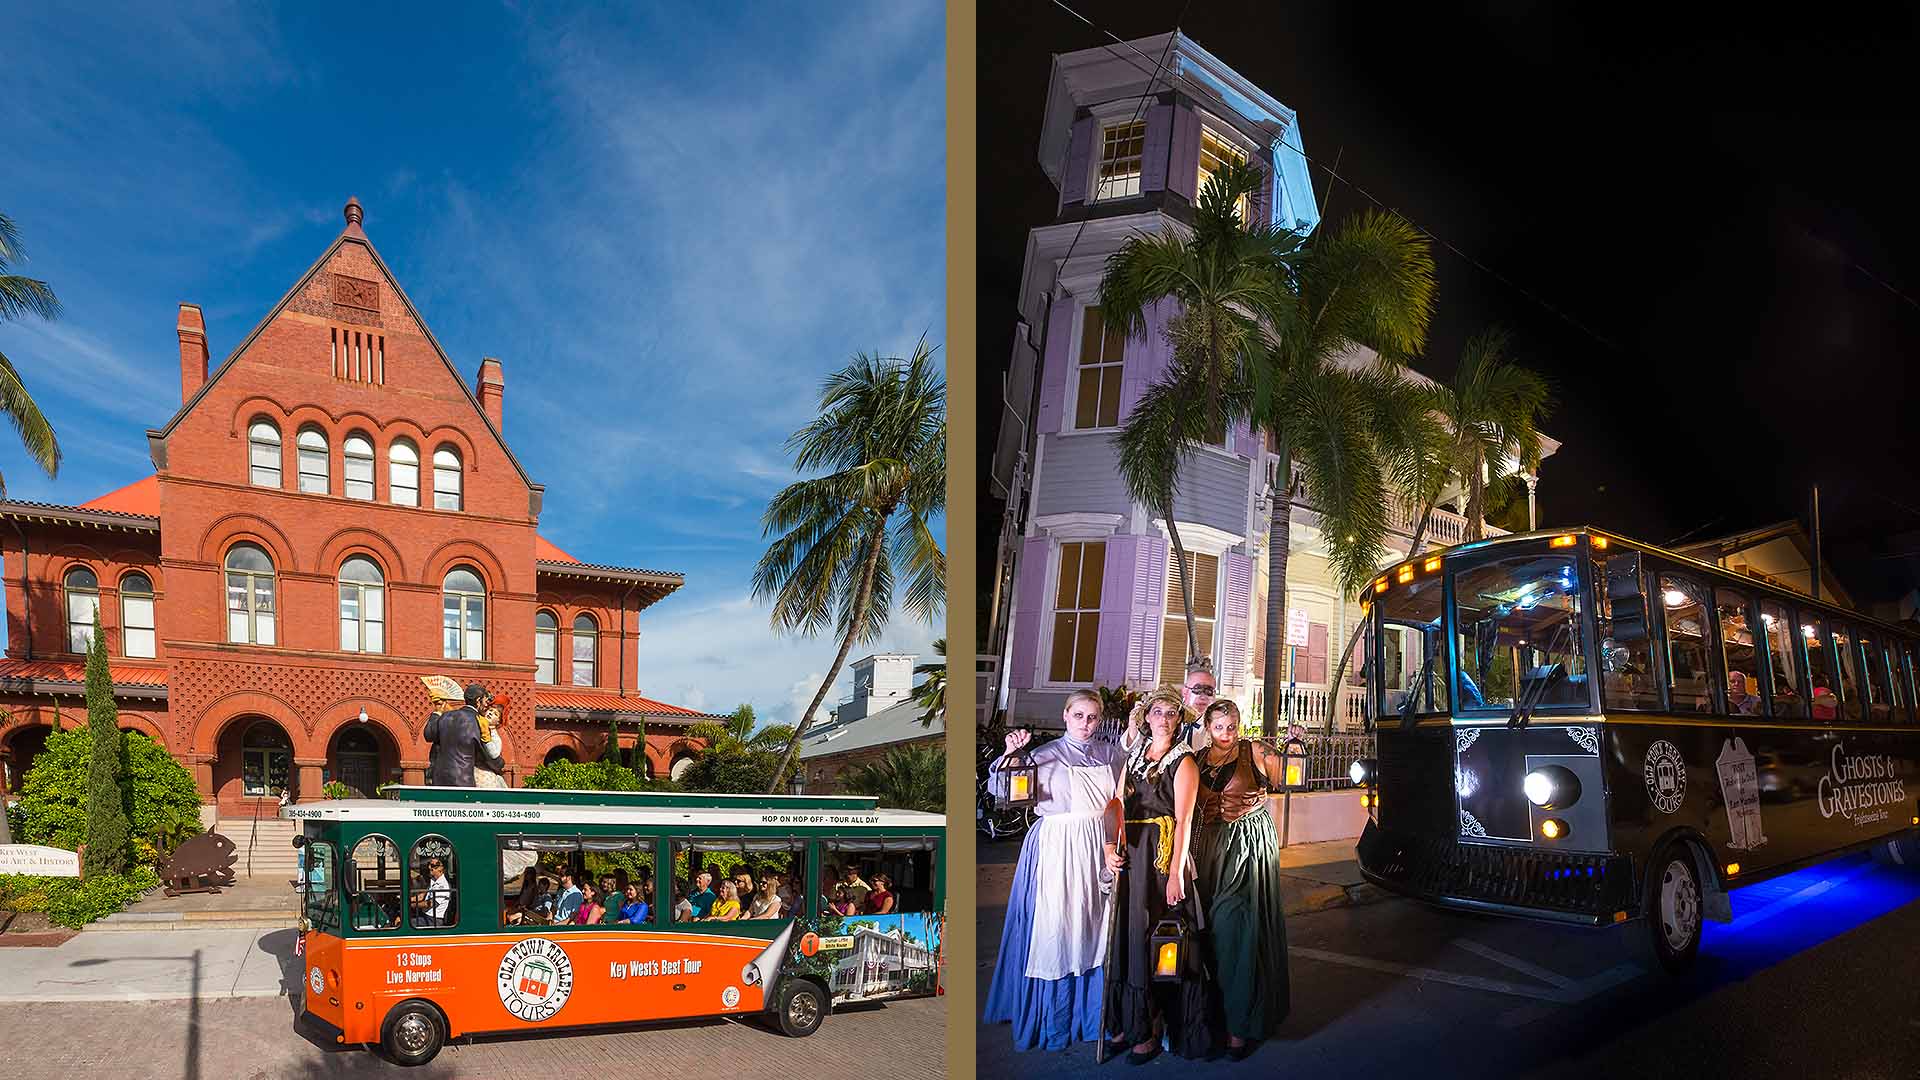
[669, 224]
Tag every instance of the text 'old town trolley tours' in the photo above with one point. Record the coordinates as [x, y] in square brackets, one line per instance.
[1581, 727]
[446, 912]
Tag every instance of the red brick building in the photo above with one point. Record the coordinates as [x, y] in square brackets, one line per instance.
[334, 512]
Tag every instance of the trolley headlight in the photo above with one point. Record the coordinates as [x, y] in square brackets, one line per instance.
[1553, 829]
[1362, 771]
[1552, 787]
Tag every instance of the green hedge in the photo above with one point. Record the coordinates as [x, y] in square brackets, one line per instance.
[75, 902]
[161, 797]
[564, 775]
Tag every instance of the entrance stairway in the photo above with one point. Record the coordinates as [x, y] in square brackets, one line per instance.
[263, 850]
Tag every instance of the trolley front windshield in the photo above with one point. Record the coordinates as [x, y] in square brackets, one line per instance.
[1518, 630]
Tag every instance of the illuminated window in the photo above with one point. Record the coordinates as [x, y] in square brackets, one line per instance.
[1076, 611]
[1818, 650]
[1215, 152]
[1121, 148]
[1689, 675]
[1203, 571]
[1097, 402]
[1781, 652]
[1845, 647]
[1739, 650]
[136, 615]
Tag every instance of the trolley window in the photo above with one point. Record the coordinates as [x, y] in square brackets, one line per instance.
[1777, 625]
[1689, 675]
[1824, 695]
[1626, 645]
[1411, 645]
[552, 879]
[744, 880]
[852, 876]
[1740, 653]
[1879, 698]
[374, 874]
[1852, 687]
[320, 900]
[436, 902]
[1517, 634]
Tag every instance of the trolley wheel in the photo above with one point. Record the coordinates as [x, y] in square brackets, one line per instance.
[800, 1009]
[413, 1033]
[1674, 907]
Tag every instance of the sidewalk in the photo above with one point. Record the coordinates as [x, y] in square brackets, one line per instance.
[257, 904]
[157, 967]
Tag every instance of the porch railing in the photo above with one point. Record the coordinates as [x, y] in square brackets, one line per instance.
[1444, 529]
[1309, 706]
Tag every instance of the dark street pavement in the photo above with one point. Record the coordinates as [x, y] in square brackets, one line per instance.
[1814, 978]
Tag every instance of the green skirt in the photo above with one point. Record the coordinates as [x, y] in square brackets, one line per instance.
[1239, 864]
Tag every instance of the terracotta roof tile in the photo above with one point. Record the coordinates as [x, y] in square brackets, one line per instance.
[75, 671]
[602, 701]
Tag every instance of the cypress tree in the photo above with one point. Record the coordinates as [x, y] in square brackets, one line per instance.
[612, 752]
[106, 811]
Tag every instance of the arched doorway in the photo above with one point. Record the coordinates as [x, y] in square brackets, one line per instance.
[266, 760]
[559, 753]
[23, 746]
[355, 760]
[680, 766]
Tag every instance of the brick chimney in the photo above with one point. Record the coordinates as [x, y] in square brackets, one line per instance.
[193, 351]
[493, 389]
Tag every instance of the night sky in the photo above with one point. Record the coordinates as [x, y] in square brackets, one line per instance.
[1715, 222]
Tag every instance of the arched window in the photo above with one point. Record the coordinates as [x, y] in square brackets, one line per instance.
[403, 473]
[446, 479]
[136, 615]
[435, 902]
[357, 455]
[586, 643]
[546, 648]
[83, 604]
[463, 616]
[263, 453]
[311, 453]
[363, 607]
[249, 595]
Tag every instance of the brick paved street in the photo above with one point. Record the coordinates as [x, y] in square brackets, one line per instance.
[241, 1039]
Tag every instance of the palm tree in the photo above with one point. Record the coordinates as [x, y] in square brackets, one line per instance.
[1493, 406]
[1225, 278]
[740, 733]
[1489, 412]
[932, 697]
[907, 778]
[882, 436]
[21, 296]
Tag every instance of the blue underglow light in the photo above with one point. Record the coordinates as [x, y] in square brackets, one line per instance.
[1776, 918]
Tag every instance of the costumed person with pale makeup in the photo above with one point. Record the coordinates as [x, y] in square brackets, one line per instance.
[1047, 981]
[1162, 786]
[1239, 857]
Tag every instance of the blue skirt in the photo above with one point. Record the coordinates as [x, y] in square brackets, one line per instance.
[1047, 1014]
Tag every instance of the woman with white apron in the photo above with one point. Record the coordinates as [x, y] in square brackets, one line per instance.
[1047, 981]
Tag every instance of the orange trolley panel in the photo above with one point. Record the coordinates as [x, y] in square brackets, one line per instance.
[534, 980]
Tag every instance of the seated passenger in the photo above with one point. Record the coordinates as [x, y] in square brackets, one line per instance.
[726, 907]
[700, 896]
[682, 909]
[764, 905]
[590, 910]
[881, 900]
[842, 904]
[1739, 701]
[786, 890]
[743, 884]
[1825, 705]
[567, 904]
[635, 909]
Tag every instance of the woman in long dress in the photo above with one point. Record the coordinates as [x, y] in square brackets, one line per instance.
[1047, 978]
[1239, 855]
[1162, 784]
